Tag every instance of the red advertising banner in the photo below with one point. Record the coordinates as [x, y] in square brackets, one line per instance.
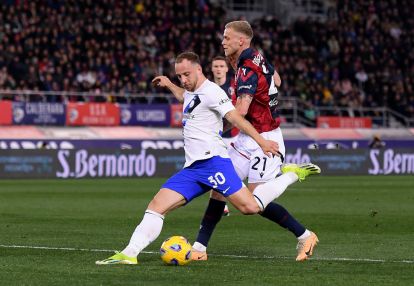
[343, 122]
[92, 114]
[6, 112]
[176, 115]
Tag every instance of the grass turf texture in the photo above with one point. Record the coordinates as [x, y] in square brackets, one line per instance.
[354, 217]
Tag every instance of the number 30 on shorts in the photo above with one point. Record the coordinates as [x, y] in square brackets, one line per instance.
[218, 179]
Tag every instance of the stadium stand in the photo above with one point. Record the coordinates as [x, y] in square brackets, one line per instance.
[361, 56]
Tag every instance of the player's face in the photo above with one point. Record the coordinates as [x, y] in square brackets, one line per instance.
[232, 42]
[219, 68]
[188, 74]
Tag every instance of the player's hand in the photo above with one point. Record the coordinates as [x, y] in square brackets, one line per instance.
[270, 148]
[161, 81]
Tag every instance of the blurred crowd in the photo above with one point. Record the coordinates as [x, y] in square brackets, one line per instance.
[361, 57]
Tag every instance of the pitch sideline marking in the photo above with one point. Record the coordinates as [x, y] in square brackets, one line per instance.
[218, 255]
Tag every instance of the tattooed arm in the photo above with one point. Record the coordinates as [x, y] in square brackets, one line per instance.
[243, 103]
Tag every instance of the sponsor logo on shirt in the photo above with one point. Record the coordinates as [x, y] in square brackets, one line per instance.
[223, 101]
[244, 87]
[188, 116]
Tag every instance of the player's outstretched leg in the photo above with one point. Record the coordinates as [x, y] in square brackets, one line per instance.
[302, 170]
[278, 214]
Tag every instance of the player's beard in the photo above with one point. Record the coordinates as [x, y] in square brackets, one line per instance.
[191, 85]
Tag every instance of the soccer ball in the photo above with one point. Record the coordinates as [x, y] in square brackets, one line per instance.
[176, 250]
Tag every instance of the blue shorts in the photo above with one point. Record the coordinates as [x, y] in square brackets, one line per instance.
[215, 173]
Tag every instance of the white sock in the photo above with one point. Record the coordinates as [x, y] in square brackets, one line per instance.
[145, 233]
[305, 235]
[267, 192]
[199, 247]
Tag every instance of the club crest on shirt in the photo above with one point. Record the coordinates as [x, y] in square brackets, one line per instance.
[192, 104]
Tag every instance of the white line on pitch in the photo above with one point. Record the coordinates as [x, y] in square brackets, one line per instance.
[218, 255]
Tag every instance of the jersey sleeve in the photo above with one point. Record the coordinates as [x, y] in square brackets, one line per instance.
[247, 82]
[221, 103]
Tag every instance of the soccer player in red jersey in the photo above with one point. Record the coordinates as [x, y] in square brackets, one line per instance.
[256, 100]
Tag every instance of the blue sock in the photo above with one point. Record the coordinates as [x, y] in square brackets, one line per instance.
[212, 216]
[281, 216]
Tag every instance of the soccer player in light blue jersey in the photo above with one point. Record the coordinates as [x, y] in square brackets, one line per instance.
[207, 164]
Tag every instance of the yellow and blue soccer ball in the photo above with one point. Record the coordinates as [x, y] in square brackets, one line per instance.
[176, 250]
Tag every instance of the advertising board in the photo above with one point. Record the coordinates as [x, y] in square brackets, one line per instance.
[92, 114]
[145, 114]
[38, 113]
[151, 161]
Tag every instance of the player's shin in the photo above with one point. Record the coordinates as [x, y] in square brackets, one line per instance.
[211, 217]
[267, 192]
[282, 217]
[145, 233]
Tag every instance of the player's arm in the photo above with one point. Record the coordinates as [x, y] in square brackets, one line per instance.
[227, 126]
[245, 99]
[246, 87]
[242, 106]
[164, 81]
[277, 79]
[269, 147]
[243, 103]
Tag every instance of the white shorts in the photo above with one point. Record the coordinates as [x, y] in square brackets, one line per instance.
[249, 160]
[229, 140]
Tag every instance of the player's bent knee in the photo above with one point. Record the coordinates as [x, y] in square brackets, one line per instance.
[156, 205]
[249, 209]
[165, 201]
[244, 201]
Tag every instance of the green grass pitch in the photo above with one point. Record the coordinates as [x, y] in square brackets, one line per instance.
[52, 231]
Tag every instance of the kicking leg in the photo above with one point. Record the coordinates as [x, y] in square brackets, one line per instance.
[149, 228]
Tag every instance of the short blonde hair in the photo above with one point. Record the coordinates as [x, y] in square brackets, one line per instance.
[241, 27]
